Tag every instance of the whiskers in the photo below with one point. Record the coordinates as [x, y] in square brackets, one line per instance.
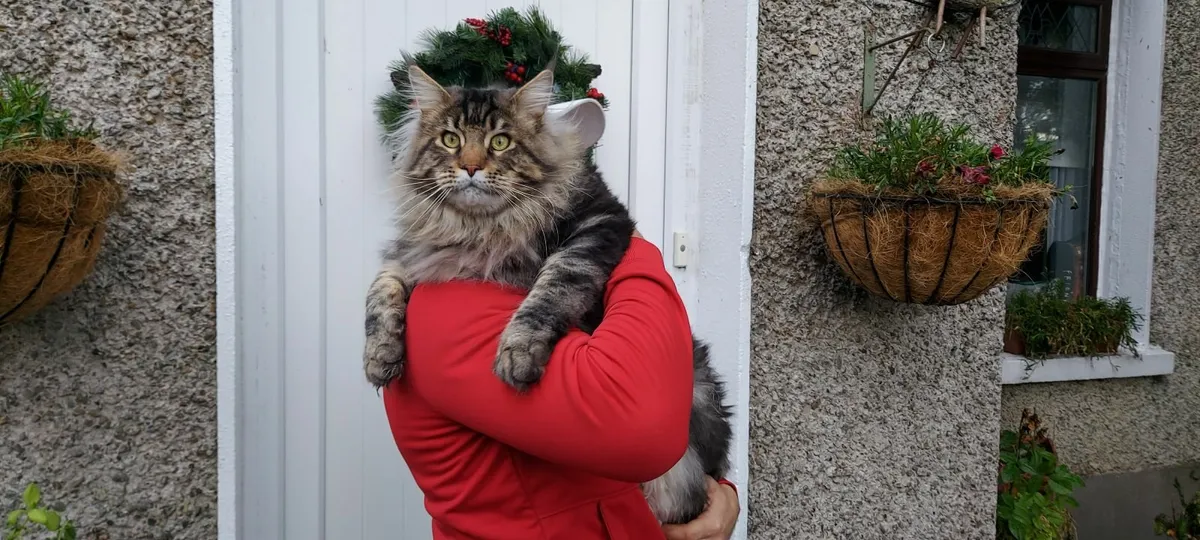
[426, 199]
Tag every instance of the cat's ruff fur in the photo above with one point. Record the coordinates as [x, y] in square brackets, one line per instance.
[539, 218]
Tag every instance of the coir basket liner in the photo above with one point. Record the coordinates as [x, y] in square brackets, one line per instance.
[926, 250]
[54, 199]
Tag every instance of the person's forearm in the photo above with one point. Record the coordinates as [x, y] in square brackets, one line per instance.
[615, 403]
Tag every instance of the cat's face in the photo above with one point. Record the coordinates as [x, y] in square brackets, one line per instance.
[483, 151]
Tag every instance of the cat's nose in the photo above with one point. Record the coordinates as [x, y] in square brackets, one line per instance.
[470, 169]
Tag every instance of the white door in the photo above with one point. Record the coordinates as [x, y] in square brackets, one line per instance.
[318, 461]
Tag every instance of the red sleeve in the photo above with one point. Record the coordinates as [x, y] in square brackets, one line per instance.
[615, 403]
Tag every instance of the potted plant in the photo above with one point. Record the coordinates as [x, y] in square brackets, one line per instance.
[1046, 322]
[1183, 526]
[57, 188]
[1034, 489]
[926, 214]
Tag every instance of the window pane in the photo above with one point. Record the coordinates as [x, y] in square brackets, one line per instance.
[1055, 25]
[1062, 112]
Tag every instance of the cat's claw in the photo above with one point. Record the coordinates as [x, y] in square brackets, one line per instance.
[522, 357]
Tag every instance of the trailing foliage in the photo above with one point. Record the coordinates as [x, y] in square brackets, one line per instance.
[923, 155]
[27, 114]
[1034, 490]
[33, 518]
[1052, 323]
[507, 49]
[1184, 526]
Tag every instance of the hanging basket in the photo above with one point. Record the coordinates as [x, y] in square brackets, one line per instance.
[55, 197]
[924, 250]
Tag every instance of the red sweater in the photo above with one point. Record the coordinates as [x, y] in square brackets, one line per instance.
[564, 460]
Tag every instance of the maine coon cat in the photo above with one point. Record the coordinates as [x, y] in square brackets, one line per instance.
[496, 189]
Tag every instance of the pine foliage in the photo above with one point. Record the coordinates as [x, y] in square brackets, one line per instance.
[28, 114]
[483, 52]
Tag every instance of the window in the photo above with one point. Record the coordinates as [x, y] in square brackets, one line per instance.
[1062, 71]
[1107, 122]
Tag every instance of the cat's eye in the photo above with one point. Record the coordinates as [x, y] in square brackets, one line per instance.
[450, 139]
[500, 142]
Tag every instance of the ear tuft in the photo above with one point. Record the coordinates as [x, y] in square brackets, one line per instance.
[426, 91]
[536, 95]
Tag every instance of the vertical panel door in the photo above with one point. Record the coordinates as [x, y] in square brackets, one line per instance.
[317, 459]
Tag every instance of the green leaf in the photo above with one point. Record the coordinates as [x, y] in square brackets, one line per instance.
[53, 520]
[14, 517]
[68, 531]
[1009, 473]
[1058, 488]
[32, 497]
[37, 515]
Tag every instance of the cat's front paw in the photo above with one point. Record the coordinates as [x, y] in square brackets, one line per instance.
[383, 355]
[522, 356]
[383, 358]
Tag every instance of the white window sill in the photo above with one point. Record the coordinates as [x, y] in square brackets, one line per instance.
[1016, 369]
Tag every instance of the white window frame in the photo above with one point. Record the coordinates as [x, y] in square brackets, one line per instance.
[1127, 210]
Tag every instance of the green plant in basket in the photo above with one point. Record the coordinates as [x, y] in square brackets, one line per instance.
[1050, 323]
[1034, 490]
[923, 155]
[34, 519]
[1185, 525]
[925, 213]
[57, 189]
[27, 114]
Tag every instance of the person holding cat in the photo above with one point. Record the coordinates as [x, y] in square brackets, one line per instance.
[537, 364]
[564, 460]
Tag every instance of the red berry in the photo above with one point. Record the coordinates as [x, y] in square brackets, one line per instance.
[521, 70]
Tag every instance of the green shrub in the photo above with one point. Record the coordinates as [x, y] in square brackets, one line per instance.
[1184, 526]
[33, 518]
[1052, 323]
[1034, 490]
[924, 155]
[27, 114]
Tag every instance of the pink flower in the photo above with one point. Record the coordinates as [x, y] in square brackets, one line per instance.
[975, 175]
[924, 169]
[997, 151]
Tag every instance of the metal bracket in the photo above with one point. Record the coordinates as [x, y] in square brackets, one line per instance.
[870, 96]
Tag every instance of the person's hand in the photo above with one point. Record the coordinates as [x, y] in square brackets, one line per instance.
[717, 521]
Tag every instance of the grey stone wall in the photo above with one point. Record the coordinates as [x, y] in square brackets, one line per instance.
[1147, 423]
[107, 398]
[869, 419]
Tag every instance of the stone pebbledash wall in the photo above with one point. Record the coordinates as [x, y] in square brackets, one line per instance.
[869, 419]
[107, 397]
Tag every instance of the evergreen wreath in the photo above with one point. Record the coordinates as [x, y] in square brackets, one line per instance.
[506, 49]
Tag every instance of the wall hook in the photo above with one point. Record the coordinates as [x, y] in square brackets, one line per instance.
[870, 96]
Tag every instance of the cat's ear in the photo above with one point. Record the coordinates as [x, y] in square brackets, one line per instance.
[426, 91]
[536, 95]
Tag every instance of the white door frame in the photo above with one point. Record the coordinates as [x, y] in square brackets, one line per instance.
[711, 86]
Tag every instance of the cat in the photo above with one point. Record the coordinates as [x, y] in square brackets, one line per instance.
[539, 217]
